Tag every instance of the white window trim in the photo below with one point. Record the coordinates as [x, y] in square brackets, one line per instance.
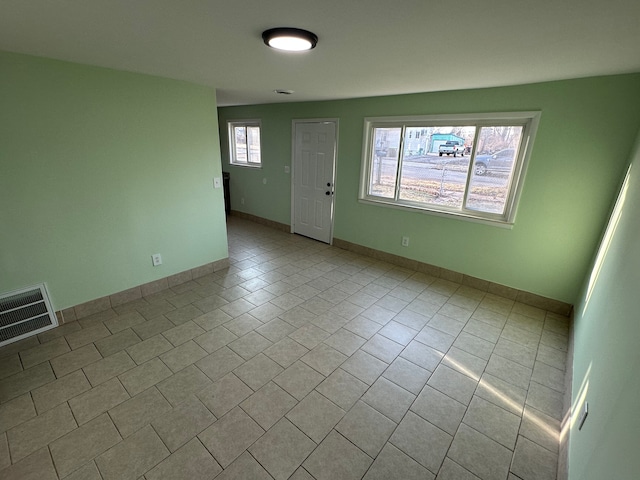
[530, 120]
[232, 143]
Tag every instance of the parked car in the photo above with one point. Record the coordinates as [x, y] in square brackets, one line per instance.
[451, 147]
[501, 161]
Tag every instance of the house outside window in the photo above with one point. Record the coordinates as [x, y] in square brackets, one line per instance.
[244, 143]
[467, 166]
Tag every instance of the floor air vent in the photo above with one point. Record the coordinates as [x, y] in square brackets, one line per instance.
[24, 313]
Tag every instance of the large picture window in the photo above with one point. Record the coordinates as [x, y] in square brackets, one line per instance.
[244, 143]
[462, 165]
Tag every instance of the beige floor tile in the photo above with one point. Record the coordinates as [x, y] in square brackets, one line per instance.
[465, 363]
[450, 382]
[215, 339]
[367, 428]
[422, 441]
[299, 379]
[16, 411]
[336, 457]
[244, 467]
[275, 330]
[479, 454]
[363, 327]
[133, 414]
[119, 341]
[407, 375]
[107, 368]
[436, 339]
[224, 395]
[59, 331]
[87, 335]
[37, 466]
[382, 348]
[552, 357]
[532, 462]
[219, 363]
[230, 436]
[389, 399]
[17, 347]
[141, 410]
[446, 324]
[59, 391]
[502, 393]
[309, 336]
[183, 314]
[249, 345]
[422, 355]
[258, 371]
[393, 463]
[149, 348]
[493, 421]
[548, 376]
[546, 400]
[183, 333]
[86, 472]
[5, 457]
[515, 352]
[191, 461]
[153, 327]
[182, 423]
[315, 416]
[75, 360]
[144, 376]
[482, 330]
[38, 432]
[364, 366]
[124, 321]
[345, 342]
[285, 352]
[268, 405]
[439, 409]
[450, 470]
[342, 388]
[10, 365]
[98, 400]
[324, 359]
[183, 356]
[180, 386]
[132, 457]
[474, 345]
[398, 333]
[282, 449]
[36, 355]
[540, 428]
[82, 444]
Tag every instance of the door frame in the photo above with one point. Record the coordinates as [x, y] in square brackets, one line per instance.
[294, 123]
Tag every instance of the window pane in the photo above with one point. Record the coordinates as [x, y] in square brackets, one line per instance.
[240, 135]
[435, 165]
[254, 144]
[384, 162]
[494, 163]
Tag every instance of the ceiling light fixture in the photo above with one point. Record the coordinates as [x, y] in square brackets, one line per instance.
[289, 39]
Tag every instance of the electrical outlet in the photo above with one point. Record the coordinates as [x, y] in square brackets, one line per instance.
[156, 259]
[583, 415]
[405, 241]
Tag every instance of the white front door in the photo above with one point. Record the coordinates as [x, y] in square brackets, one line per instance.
[314, 159]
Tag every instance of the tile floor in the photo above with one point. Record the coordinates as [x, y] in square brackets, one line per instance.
[300, 361]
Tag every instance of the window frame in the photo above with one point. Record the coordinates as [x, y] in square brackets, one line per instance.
[529, 120]
[231, 125]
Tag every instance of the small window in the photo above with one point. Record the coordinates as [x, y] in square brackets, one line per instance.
[244, 143]
[460, 165]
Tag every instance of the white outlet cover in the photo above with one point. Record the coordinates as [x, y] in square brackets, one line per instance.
[217, 182]
[156, 259]
[287, 169]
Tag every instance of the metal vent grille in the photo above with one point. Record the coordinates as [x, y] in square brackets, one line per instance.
[24, 313]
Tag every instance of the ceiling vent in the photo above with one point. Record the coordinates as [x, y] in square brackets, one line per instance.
[24, 313]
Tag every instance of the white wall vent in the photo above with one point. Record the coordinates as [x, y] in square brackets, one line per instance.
[24, 313]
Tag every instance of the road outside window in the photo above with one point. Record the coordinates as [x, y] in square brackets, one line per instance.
[460, 165]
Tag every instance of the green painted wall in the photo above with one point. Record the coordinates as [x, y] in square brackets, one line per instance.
[583, 143]
[606, 349]
[99, 169]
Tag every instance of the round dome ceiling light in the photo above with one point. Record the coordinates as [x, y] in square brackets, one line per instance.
[289, 39]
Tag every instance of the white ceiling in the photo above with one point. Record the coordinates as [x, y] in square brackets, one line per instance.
[366, 47]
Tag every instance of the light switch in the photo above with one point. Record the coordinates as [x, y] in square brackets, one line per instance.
[287, 169]
[217, 182]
